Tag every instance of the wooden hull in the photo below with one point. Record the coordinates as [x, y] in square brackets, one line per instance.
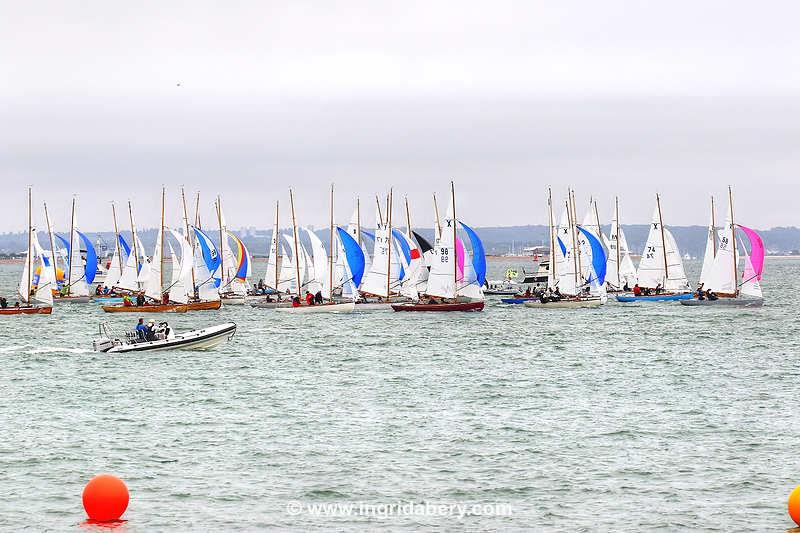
[654, 298]
[26, 311]
[199, 306]
[149, 308]
[589, 303]
[458, 306]
[319, 308]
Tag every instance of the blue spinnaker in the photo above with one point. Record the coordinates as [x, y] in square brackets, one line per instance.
[210, 253]
[598, 256]
[125, 248]
[478, 254]
[401, 241]
[354, 255]
[368, 234]
[561, 245]
[90, 270]
[65, 242]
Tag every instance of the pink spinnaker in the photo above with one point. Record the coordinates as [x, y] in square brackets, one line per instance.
[756, 250]
[460, 259]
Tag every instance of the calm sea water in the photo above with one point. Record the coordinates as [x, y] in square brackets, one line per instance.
[627, 417]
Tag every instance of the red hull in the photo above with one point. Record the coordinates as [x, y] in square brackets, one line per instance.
[26, 311]
[460, 306]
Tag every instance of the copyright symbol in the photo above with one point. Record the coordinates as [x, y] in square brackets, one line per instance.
[294, 508]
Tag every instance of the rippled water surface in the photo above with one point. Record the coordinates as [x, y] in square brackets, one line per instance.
[626, 417]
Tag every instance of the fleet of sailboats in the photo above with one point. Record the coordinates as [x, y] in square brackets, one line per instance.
[394, 268]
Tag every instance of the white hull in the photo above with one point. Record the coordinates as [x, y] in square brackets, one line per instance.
[319, 308]
[262, 304]
[200, 339]
[566, 304]
[236, 300]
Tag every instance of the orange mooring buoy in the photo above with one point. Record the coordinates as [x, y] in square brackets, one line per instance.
[105, 498]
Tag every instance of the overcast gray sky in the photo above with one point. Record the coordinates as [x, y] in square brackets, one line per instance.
[614, 97]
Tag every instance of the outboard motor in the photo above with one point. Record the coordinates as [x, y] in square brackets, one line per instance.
[102, 344]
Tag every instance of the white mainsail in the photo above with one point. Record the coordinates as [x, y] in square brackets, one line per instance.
[661, 263]
[382, 276]
[441, 278]
[722, 276]
[566, 265]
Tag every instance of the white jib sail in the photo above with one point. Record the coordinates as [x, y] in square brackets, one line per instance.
[382, 276]
[676, 280]
[77, 269]
[708, 256]
[320, 263]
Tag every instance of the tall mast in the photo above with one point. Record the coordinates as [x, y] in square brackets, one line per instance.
[597, 218]
[389, 251]
[663, 241]
[358, 219]
[70, 252]
[134, 239]
[408, 218]
[619, 253]
[330, 259]
[52, 242]
[197, 210]
[552, 263]
[733, 238]
[436, 211]
[296, 246]
[713, 227]
[574, 229]
[275, 238]
[30, 245]
[572, 236]
[455, 236]
[191, 239]
[221, 242]
[161, 266]
[116, 236]
[380, 213]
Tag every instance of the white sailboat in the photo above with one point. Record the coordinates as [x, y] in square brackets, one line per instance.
[35, 288]
[383, 279]
[661, 269]
[447, 279]
[298, 307]
[723, 278]
[620, 271]
[566, 281]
